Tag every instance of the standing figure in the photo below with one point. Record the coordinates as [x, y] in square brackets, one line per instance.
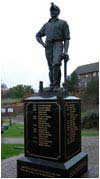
[56, 44]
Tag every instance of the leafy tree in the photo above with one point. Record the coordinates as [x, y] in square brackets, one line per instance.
[20, 90]
[92, 91]
[46, 89]
[72, 82]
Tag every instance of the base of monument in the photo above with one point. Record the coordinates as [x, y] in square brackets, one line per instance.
[59, 93]
[40, 168]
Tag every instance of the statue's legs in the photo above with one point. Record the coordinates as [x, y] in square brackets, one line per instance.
[57, 54]
[56, 76]
[51, 78]
[49, 56]
[53, 52]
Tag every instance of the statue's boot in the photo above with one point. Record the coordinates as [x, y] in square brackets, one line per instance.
[51, 79]
[56, 77]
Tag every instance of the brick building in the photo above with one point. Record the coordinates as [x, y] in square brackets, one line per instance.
[86, 73]
[12, 109]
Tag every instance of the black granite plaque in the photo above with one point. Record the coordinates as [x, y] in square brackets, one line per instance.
[72, 123]
[42, 131]
[52, 128]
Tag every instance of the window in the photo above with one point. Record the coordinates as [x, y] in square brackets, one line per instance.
[79, 84]
[85, 84]
[94, 74]
[3, 110]
[10, 109]
[86, 75]
[79, 77]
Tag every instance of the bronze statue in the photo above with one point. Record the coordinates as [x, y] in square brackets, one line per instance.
[56, 45]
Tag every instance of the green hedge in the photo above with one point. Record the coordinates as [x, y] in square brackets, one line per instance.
[90, 120]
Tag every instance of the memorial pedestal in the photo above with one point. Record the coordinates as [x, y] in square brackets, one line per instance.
[52, 138]
[39, 168]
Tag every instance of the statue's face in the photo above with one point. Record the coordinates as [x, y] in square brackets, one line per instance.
[54, 13]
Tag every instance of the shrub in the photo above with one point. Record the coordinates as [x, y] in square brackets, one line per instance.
[90, 120]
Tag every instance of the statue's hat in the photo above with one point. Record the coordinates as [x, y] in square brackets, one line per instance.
[54, 7]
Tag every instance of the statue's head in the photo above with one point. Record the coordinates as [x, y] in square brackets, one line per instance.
[54, 10]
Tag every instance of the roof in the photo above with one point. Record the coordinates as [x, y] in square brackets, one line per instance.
[93, 67]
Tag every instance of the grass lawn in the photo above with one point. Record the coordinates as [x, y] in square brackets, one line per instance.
[8, 150]
[89, 133]
[16, 130]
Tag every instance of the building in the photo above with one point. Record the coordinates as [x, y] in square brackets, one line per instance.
[86, 73]
[12, 109]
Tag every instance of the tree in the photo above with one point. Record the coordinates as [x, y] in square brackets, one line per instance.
[72, 82]
[20, 90]
[92, 91]
[46, 89]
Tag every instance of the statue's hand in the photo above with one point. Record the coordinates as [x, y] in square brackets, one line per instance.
[65, 56]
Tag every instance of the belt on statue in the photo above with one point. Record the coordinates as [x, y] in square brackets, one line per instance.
[54, 40]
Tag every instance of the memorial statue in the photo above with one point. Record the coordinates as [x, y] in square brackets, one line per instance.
[53, 118]
[56, 45]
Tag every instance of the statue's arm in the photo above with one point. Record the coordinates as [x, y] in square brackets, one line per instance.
[66, 45]
[39, 36]
[39, 39]
[66, 34]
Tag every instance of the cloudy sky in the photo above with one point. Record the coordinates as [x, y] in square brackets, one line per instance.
[23, 59]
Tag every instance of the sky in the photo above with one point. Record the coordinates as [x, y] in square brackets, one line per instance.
[23, 59]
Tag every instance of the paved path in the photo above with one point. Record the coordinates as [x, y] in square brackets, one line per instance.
[90, 145]
[12, 140]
